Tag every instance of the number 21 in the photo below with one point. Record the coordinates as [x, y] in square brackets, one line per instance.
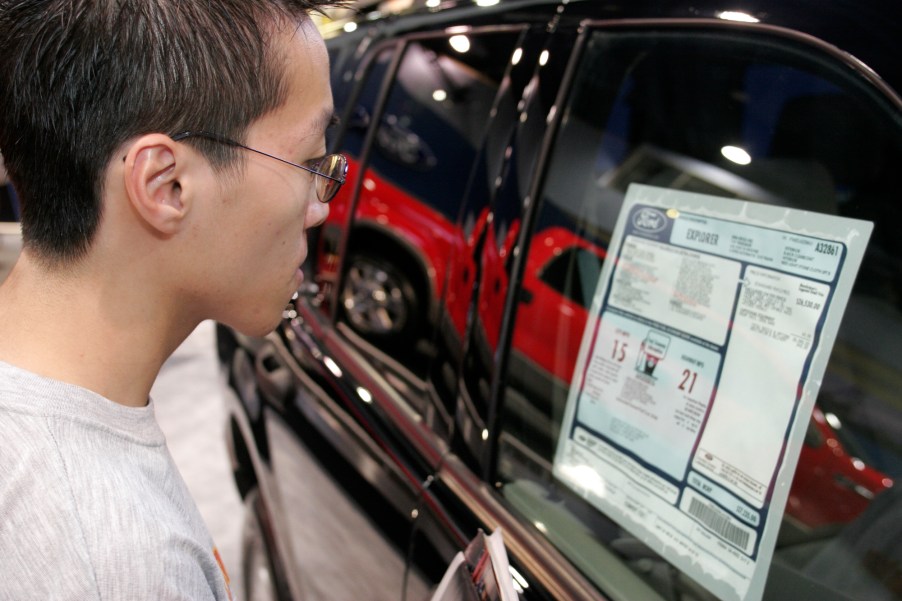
[688, 378]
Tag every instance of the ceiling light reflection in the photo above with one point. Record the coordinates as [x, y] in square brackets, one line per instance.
[543, 58]
[332, 366]
[586, 478]
[834, 421]
[365, 395]
[461, 43]
[519, 580]
[736, 154]
[439, 95]
[735, 15]
[518, 54]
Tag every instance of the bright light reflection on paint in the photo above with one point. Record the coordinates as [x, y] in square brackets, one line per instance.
[333, 367]
[735, 15]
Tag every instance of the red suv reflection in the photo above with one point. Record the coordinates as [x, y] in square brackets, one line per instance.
[378, 300]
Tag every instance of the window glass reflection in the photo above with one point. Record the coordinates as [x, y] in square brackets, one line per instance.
[406, 221]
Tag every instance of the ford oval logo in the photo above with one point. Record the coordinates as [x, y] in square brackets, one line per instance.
[649, 220]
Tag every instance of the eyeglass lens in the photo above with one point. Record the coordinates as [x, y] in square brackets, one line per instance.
[334, 166]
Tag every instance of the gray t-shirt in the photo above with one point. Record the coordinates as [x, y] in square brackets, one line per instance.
[91, 503]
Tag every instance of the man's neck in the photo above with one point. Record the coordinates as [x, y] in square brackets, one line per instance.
[90, 329]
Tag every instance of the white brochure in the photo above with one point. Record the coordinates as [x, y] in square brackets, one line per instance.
[692, 392]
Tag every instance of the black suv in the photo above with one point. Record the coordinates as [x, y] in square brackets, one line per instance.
[417, 393]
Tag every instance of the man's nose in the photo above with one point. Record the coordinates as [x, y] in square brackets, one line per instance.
[317, 212]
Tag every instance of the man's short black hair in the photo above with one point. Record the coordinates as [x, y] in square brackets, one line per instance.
[78, 78]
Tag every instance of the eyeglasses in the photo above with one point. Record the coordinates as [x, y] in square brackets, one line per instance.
[331, 170]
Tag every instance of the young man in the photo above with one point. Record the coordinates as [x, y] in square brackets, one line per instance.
[149, 144]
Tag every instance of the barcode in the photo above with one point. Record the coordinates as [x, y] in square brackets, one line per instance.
[718, 523]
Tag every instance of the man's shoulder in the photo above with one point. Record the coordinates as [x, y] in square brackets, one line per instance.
[38, 511]
[25, 393]
[99, 500]
[64, 455]
[114, 535]
[32, 400]
[25, 434]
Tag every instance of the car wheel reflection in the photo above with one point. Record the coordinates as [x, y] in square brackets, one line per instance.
[379, 301]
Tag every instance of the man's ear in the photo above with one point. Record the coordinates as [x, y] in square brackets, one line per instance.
[154, 168]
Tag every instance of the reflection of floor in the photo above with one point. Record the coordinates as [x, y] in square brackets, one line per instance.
[324, 523]
[189, 409]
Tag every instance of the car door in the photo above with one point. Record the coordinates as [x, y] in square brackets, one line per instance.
[660, 103]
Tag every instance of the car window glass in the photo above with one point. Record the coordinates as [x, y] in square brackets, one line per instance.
[348, 139]
[660, 108]
[345, 53]
[491, 231]
[418, 166]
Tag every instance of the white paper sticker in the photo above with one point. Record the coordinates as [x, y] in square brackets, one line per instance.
[692, 392]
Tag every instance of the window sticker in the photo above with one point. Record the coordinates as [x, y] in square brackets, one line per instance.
[693, 390]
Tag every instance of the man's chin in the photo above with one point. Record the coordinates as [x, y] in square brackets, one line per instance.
[257, 328]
